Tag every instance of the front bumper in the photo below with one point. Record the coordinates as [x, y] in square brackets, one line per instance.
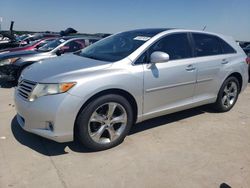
[59, 110]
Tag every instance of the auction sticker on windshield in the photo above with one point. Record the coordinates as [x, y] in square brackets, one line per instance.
[62, 40]
[142, 38]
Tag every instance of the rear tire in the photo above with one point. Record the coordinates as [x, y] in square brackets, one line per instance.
[104, 122]
[227, 95]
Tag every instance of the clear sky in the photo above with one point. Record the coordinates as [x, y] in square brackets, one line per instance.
[230, 17]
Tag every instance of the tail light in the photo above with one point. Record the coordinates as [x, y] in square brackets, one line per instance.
[248, 60]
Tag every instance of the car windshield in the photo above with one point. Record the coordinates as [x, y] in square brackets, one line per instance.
[31, 43]
[248, 46]
[51, 45]
[119, 46]
[22, 37]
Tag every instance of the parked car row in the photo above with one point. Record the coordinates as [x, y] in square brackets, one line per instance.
[10, 40]
[98, 93]
[13, 63]
[32, 46]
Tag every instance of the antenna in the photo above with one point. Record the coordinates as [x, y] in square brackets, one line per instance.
[204, 28]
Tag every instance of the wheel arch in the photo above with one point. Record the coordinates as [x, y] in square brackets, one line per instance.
[238, 76]
[24, 65]
[121, 92]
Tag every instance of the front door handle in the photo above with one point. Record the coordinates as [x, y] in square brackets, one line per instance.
[190, 68]
[224, 61]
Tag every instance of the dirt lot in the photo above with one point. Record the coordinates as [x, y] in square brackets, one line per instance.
[194, 148]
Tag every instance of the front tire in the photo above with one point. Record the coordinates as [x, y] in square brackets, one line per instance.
[227, 95]
[104, 122]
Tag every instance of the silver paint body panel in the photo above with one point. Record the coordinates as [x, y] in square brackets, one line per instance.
[162, 89]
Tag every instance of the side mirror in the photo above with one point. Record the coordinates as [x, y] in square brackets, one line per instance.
[59, 52]
[62, 50]
[159, 57]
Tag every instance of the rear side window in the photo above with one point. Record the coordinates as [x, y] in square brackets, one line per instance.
[176, 45]
[226, 48]
[73, 46]
[81, 42]
[206, 45]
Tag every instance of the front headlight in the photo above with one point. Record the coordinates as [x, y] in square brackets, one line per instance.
[8, 61]
[50, 89]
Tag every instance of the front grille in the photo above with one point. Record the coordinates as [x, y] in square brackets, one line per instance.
[25, 88]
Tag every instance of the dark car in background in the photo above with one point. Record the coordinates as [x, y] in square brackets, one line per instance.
[247, 50]
[12, 64]
[243, 44]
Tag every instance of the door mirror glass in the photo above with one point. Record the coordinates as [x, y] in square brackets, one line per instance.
[159, 57]
[62, 50]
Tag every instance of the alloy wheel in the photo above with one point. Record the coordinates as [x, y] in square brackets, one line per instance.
[107, 123]
[229, 94]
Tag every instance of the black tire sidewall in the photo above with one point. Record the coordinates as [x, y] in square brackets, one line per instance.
[85, 114]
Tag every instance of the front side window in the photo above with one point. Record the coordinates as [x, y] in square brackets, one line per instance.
[206, 45]
[74, 46]
[175, 45]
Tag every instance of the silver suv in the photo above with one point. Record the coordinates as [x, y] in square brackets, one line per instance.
[129, 77]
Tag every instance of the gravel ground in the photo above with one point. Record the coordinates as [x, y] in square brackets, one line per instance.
[193, 148]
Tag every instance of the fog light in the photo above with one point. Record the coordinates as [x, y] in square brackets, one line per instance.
[49, 125]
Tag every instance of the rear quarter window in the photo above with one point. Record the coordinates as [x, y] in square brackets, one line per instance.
[226, 48]
[206, 45]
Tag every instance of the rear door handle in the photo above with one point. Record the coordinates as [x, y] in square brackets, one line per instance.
[224, 61]
[190, 68]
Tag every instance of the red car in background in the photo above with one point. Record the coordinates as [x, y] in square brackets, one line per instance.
[35, 45]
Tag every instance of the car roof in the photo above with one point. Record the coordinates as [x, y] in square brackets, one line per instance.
[155, 31]
[79, 37]
[150, 31]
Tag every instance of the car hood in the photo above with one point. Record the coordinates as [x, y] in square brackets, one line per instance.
[69, 67]
[37, 57]
[16, 54]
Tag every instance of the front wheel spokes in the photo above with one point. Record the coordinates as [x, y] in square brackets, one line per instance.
[111, 109]
[119, 119]
[112, 133]
[97, 135]
[97, 118]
